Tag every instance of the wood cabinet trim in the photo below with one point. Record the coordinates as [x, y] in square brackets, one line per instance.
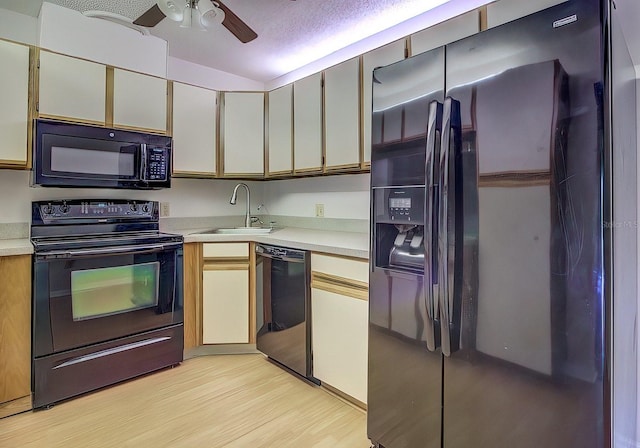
[343, 396]
[137, 129]
[192, 294]
[16, 406]
[15, 322]
[169, 127]
[252, 293]
[338, 280]
[361, 110]
[34, 92]
[72, 120]
[225, 266]
[109, 97]
[340, 289]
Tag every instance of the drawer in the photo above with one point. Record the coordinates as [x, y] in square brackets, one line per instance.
[225, 250]
[341, 267]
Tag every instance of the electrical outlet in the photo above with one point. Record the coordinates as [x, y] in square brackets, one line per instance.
[320, 210]
[165, 209]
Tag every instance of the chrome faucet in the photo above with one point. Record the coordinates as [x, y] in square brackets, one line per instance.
[234, 197]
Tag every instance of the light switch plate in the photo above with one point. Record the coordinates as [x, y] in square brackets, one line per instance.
[320, 210]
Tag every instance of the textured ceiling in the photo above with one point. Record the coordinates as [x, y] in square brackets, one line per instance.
[290, 33]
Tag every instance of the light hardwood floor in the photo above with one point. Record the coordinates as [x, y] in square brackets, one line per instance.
[213, 402]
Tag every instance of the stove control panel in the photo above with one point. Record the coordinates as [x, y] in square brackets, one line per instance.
[94, 210]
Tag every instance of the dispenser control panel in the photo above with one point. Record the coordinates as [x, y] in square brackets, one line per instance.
[400, 207]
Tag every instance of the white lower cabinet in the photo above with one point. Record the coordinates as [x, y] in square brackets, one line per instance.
[339, 340]
[225, 293]
[340, 323]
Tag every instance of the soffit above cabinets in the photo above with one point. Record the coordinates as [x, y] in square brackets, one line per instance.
[291, 33]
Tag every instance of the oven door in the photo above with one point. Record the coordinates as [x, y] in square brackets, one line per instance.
[85, 296]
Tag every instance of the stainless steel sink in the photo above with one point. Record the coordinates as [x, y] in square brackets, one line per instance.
[239, 231]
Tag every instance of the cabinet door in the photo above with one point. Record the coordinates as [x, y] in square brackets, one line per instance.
[307, 127]
[342, 115]
[243, 133]
[280, 130]
[225, 305]
[446, 32]
[14, 91]
[339, 339]
[194, 130]
[506, 11]
[15, 340]
[379, 57]
[139, 101]
[72, 88]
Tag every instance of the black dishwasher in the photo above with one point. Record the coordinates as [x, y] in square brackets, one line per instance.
[283, 307]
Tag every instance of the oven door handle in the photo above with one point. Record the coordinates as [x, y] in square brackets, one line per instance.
[119, 250]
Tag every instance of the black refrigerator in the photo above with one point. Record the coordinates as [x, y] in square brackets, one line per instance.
[491, 261]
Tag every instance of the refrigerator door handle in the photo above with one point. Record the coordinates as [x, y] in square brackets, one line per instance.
[434, 134]
[446, 226]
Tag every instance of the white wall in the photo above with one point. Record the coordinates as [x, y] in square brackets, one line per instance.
[343, 196]
[199, 75]
[187, 197]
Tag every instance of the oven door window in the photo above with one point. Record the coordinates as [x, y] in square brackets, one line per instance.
[104, 292]
[93, 298]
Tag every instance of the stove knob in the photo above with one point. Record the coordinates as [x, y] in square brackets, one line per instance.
[145, 208]
[47, 209]
[133, 207]
[64, 208]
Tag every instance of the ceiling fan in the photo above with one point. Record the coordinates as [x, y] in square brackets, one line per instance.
[201, 12]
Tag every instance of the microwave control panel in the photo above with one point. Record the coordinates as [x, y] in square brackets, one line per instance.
[157, 164]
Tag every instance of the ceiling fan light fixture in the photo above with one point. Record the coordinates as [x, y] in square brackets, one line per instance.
[210, 13]
[186, 16]
[172, 9]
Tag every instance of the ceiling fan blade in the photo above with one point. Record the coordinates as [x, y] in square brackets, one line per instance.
[151, 17]
[237, 27]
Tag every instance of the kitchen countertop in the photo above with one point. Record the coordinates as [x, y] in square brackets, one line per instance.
[350, 244]
[21, 246]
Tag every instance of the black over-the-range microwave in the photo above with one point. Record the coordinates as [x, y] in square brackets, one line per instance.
[74, 155]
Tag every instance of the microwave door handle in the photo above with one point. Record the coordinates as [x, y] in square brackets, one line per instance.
[446, 235]
[434, 129]
[143, 161]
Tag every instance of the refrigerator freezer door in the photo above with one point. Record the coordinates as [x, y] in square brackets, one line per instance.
[405, 378]
[529, 369]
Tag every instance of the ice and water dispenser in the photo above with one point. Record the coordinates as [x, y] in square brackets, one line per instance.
[399, 228]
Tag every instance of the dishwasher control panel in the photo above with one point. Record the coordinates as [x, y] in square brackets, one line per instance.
[282, 253]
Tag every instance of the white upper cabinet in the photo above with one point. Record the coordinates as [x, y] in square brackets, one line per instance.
[139, 101]
[507, 10]
[72, 88]
[14, 91]
[280, 130]
[342, 115]
[243, 133]
[194, 129]
[379, 57]
[444, 33]
[307, 128]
